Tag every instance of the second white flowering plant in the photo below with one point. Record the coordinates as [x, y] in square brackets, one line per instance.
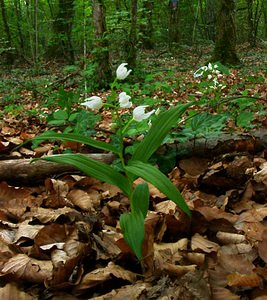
[132, 223]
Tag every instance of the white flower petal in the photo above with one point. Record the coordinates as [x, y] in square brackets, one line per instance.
[139, 113]
[122, 72]
[93, 102]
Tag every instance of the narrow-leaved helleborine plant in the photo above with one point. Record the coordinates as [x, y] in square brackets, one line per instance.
[131, 223]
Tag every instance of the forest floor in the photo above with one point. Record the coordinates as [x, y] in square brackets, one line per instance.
[60, 237]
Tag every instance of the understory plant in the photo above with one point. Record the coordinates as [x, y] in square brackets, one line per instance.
[138, 165]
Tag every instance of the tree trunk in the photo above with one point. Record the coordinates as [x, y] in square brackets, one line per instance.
[174, 33]
[63, 28]
[146, 27]
[211, 17]
[225, 41]
[101, 51]
[17, 8]
[132, 36]
[8, 51]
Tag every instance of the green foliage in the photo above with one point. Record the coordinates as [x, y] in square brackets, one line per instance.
[132, 224]
[159, 180]
[140, 199]
[204, 125]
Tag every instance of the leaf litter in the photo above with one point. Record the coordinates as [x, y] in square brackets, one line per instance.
[62, 240]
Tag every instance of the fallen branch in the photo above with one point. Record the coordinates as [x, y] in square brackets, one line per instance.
[26, 172]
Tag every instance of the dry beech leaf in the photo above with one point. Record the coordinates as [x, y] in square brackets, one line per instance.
[230, 238]
[200, 243]
[261, 176]
[250, 280]
[29, 269]
[219, 293]
[195, 258]
[47, 215]
[101, 275]
[81, 199]
[235, 263]
[262, 246]
[253, 231]
[214, 213]
[194, 166]
[26, 231]
[166, 207]
[11, 292]
[133, 291]
[176, 270]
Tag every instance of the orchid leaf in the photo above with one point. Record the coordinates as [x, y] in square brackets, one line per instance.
[160, 181]
[160, 128]
[140, 199]
[50, 135]
[93, 168]
[133, 228]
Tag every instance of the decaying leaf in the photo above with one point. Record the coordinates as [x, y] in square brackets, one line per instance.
[29, 269]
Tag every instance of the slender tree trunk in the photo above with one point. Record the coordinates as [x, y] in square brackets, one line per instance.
[63, 29]
[101, 52]
[36, 37]
[147, 25]
[9, 55]
[174, 33]
[225, 41]
[132, 36]
[17, 8]
[211, 17]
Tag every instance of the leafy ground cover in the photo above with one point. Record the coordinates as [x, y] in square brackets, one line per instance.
[60, 237]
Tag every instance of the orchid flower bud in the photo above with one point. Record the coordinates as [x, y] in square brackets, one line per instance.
[124, 100]
[122, 71]
[139, 113]
[93, 102]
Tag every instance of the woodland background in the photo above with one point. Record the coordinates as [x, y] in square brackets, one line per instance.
[60, 236]
[94, 35]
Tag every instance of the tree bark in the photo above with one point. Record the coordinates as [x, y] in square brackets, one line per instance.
[132, 36]
[26, 172]
[63, 29]
[101, 51]
[147, 25]
[225, 41]
[174, 33]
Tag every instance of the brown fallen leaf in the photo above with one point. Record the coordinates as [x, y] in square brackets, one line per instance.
[245, 280]
[101, 275]
[11, 292]
[199, 243]
[29, 269]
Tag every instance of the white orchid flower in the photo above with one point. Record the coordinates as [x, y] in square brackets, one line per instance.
[210, 66]
[139, 113]
[124, 100]
[93, 102]
[122, 72]
[200, 71]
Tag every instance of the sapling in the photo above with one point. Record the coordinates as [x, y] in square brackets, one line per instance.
[131, 223]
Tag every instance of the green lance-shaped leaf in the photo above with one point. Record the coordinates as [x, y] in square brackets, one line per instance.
[133, 228]
[160, 181]
[159, 130]
[50, 135]
[93, 168]
[140, 200]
